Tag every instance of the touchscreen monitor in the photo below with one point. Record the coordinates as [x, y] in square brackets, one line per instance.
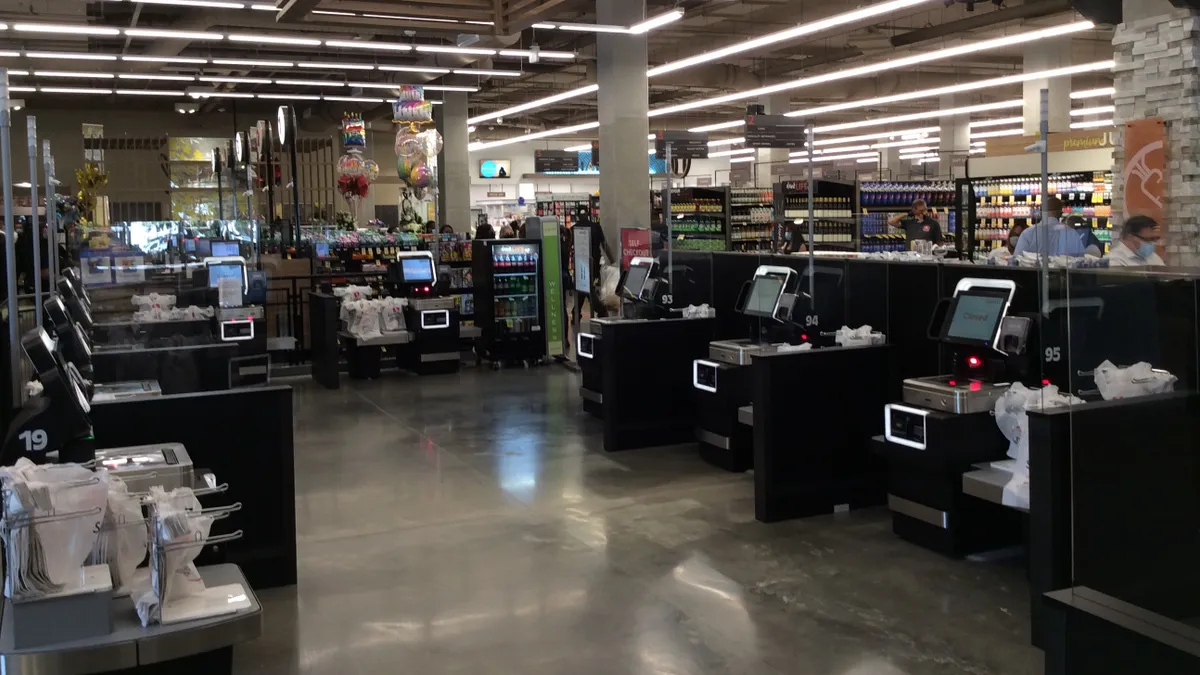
[223, 249]
[764, 296]
[226, 271]
[417, 269]
[635, 279]
[975, 317]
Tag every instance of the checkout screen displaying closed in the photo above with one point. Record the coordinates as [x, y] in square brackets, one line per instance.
[417, 269]
[764, 293]
[975, 317]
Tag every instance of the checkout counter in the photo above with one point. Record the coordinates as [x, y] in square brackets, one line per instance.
[723, 381]
[944, 425]
[641, 364]
[431, 318]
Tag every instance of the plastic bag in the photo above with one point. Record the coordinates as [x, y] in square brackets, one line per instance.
[392, 314]
[1136, 380]
[123, 538]
[803, 347]
[1012, 418]
[858, 337]
[176, 523]
[701, 312]
[609, 277]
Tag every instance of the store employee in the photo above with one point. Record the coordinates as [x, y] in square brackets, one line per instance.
[918, 224]
[1139, 238]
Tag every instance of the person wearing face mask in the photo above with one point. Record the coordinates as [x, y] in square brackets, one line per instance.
[917, 224]
[792, 239]
[1138, 245]
[1091, 245]
[1005, 252]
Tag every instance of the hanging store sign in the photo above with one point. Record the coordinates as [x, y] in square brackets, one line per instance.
[495, 195]
[741, 173]
[774, 131]
[635, 243]
[555, 161]
[1063, 141]
[1145, 168]
[684, 145]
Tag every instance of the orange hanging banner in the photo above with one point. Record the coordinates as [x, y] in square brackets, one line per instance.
[1145, 175]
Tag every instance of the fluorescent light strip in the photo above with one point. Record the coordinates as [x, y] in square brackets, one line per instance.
[919, 151]
[162, 78]
[578, 148]
[210, 4]
[72, 73]
[978, 144]
[264, 7]
[1092, 124]
[573, 93]
[651, 137]
[336, 66]
[976, 151]
[995, 123]
[726, 141]
[326, 12]
[415, 69]
[440, 49]
[718, 126]
[1094, 93]
[22, 90]
[904, 144]
[290, 97]
[254, 62]
[219, 94]
[534, 136]
[656, 22]
[727, 153]
[928, 160]
[234, 80]
[274, 39]
[874, 68]
[401, 17]
[73, 90]
[164, 59]
[71, 55]
[354, 99]
[488, 73]
[9, 55]
[373, 85]
[592, 28]
[447, 87]
[868, 160]
[311, 83]
[150, 92]
[544, 26]
[834, 151]
[66, 29]
[833, 158]
[735, 160]
[1098, 110]
[933, 114]
[377, 46]
[998, 134]
[542, 53]
[172, 34]
[788, 34]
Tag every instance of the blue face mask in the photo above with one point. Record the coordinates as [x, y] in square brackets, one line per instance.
[1146, 249]
[787, 236]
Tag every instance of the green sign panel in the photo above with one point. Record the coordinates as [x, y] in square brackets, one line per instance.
[552, 282]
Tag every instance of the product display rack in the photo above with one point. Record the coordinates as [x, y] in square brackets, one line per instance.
[834, 228]
[751, 219]
[509, 304]
[1004, 201]
[565, 206]
[700, 217]
[879, 201]
[453, 255]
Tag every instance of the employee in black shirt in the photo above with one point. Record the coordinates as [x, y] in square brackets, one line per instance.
[918, 224]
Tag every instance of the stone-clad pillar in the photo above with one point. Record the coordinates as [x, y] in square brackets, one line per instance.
[1157, 74]
[623, 104]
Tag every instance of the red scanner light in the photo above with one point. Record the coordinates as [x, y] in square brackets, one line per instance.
[974, 361]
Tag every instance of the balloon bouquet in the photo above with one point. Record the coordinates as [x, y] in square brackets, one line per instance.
[414, 147]
[354, 173]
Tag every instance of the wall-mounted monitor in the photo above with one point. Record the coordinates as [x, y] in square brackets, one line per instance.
[495, 168]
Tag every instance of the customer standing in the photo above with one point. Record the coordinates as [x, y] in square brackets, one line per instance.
[1060, 238]
[918, 224]
[485, 231]
[1006, 251]
[1138, 245]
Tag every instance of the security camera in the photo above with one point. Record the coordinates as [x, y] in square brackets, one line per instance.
[186, 107]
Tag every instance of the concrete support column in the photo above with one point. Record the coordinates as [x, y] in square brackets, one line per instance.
[890, 167]
[955, 141]
[454, 163]
[1157, 76]
[767, 158]
[1043, 55]
[623, 103]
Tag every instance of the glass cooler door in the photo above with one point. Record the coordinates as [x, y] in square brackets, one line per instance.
[516, 288]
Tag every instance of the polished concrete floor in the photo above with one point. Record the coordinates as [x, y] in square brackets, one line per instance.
[472, 524]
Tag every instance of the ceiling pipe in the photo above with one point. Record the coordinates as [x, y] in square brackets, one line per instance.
[1029, 10]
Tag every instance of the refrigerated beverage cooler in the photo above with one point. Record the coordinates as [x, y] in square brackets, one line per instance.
[509, 302]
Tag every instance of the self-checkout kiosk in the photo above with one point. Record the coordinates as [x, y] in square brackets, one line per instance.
[644, 295]
[723, 380]
[431, 318]
[944, 424]
[74, 344]
[238, 320]
[56, 419]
